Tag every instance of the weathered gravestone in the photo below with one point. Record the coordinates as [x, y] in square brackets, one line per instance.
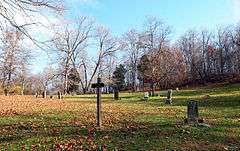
[192, 112]
[169, 97]
[146, 96]
[99, 85]
[116, 94]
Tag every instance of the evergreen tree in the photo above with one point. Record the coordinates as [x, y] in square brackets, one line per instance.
[143, 67]
[119, 77]
[74, 79]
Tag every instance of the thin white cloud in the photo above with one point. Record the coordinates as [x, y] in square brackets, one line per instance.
[91, 3]
[236, 9]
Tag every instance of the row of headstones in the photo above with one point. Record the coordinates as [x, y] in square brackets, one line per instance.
[167, 101]
[192, 108]
[192, 111]
[44, 95]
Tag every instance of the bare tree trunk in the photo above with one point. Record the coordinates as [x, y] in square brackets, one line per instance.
[44, 95]
[65, 84]
[153, 88]
[23, 88]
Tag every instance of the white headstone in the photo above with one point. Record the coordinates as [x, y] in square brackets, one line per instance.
[146, 95]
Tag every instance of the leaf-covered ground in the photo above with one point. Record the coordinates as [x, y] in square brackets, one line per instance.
[27, 123]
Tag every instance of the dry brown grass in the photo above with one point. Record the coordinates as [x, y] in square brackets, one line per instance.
[84, 110]
[27, 104]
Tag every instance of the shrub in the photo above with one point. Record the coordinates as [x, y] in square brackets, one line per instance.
[13, 89]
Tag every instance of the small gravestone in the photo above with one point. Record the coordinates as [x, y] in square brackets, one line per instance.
[192, 112]
[59, 95]
[44, 95]
[150, 94]
[36, 95]
[169, 97]
[116, 94]
[177, 89]
[146, 96]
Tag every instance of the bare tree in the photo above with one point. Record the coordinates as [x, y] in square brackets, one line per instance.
[225, 39]
[28, 9]
[45, 80]
[23, 76]
[132, 42]
[156, 43]
[107, 45]
[237, 49]
[190, 46]
[71, 43]
[13, 56]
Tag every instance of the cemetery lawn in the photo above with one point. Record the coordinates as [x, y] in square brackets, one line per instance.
[42, 124]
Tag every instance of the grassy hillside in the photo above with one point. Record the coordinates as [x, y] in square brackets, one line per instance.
[129, 124]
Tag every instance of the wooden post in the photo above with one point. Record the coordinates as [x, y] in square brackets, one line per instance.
[99, 117]
[98, 86]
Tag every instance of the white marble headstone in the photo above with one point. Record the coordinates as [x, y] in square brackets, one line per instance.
[146, 95]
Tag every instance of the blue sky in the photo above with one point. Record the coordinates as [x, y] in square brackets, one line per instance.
[181, 15]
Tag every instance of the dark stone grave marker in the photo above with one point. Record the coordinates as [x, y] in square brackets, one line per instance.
[192, 111]
[116, 94]
[44, 95]
[169, 97]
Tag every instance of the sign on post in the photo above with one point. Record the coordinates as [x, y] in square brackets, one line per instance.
[98, 86]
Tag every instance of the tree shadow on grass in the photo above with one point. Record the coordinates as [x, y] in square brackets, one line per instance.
[214, 102]
[128, 135]
[20, 132]
[223, 101]
[87, 97]
[94, 97]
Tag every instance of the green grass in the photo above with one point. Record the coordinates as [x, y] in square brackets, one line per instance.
[130, 124]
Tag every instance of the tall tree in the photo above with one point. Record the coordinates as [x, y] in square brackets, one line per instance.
[133, 47]
[13, 56]
[119, 77]
[107, 45]
[70, 42]
[155, 42]
[190, 46]
[74, 80]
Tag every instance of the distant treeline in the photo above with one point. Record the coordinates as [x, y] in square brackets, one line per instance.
[151, 59]
[197, 57]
